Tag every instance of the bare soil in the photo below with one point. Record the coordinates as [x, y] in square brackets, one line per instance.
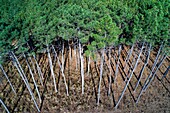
[154, 100]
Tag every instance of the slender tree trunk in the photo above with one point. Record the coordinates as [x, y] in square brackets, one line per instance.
[154, 65]
[101, 73]
[82, 66]
[130, 77]
[110, 73]
[117, 65]
[55, 54]
[39, 70]
[35, 84]
[8, 79]
[3, 104]
[147, 83]
[33, 65]
[55, 57]
[24, 78]
[128, 56]
[62, 69]
[51, 68]
[143, 68]
[153, 75]
[131, 66]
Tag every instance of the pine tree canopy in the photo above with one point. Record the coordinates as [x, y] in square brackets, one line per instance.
[107, 22]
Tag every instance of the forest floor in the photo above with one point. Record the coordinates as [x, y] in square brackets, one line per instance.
[156, 99]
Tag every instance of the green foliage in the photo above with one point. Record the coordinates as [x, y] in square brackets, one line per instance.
[107, 22]
[152, 22]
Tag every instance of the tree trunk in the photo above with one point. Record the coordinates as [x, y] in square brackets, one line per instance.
[35, 84]
[131, 66]
[55, 54]
[153, 75]
[153, 67]
[24, 78]
[147, 83]
[117, 65]
[62, 69]
[128, 56]
[51, 68]
[82, 66]
[4, 106]
[39, 70]
[101, 73]
[130, 77]
[8, 79]
[143, 68]
[110, 73]
[33, 65]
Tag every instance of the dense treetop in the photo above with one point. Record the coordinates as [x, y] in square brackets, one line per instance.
[106, 22]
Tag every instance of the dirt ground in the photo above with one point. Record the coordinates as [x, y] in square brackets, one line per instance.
[156, 99]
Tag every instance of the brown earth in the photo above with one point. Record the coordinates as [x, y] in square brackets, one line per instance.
[155, 99]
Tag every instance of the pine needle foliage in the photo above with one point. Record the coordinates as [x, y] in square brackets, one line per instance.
[110, 22]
